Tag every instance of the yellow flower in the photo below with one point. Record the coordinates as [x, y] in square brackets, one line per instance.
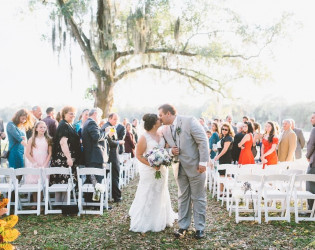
[6, 246]
[10, 235]
[4, 202]
[11, 221]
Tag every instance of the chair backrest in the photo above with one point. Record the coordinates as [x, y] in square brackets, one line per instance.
[305, 177]
[225, 166]
[292, 171]
[285, 164]
[91, 171]
[57, 170]
[7, 171]
[26, 171]
[243, 171]
[278, 177]
[249, 177]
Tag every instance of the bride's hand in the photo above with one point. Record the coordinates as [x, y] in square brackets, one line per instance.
[157, 168]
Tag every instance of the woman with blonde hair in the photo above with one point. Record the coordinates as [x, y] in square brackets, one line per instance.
[16, 128]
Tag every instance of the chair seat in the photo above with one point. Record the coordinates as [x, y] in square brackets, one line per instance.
[6, 186]
[88, 188]
[59, 188]
[305, 194]
[29, 188]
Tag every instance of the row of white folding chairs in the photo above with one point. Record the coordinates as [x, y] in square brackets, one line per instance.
[273, 189]
[14, 180]
[128, 169]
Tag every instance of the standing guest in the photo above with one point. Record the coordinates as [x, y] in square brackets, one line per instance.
[58, 117]
[287, 142]
[236, 151]
[121, 133]
[66, 149]
[36, 115]
[16, 135]
[135, 123]
[246, 144]
[277, 129]
[82, 118]
[252, 120]
[94, 142]
[214, 139]
[102, 122]
[229, 120]
[269, 144]
[300, 143]
[38, 152]
[245, 118]
[113, 155]
[310, 156]
[257, 137]
[50, 121]
[225, 151]
[130, 143]
[2, 134]
[203, 124]
[125, 121]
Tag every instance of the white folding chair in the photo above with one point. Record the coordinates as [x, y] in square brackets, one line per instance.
[218, 180]
[253, 196]
[303, 195]
[89, 188]
[299, 165]
[21, 187]
[109, 182]
[54, 188]
[7, 184]
[277, 188]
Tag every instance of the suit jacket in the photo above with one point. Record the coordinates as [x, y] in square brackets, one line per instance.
[236, 150]
[121, 133]
[287, 146]
[94, 144]
[300, 142]
[51, 125]
[310, 153]
[192, 142]
[113, 144]
[130, 144]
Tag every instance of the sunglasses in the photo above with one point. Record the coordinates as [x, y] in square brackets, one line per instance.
[224, 129]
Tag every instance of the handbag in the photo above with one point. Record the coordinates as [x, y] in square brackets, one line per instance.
[5, 153]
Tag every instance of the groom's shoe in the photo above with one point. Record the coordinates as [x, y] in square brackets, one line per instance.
[180, 233]
[199, 234]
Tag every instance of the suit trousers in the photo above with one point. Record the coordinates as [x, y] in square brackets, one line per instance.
[191, 195]
[115, 180]
[310, 186]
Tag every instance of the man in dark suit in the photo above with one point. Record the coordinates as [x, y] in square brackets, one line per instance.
[237, 139]
[121, 133]
[300, 142]
[114, 142]
[2, 134]
[50, 121]
[310, 155]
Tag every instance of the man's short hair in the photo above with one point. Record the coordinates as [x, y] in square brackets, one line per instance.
[111, 115]
[246, 117]
[35, 108]
[95, 110]
[49, 109]
[168, 108]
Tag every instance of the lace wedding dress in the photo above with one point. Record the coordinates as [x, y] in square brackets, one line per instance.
[151, 209]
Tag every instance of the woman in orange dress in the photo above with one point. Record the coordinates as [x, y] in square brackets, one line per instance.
[246, 144]
[269, 144]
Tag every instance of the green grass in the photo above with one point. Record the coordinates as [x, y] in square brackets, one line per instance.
[111, 231]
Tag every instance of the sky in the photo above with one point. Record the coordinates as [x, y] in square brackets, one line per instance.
[31, 75]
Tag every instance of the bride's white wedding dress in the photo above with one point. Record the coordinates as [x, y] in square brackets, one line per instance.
[151, 209]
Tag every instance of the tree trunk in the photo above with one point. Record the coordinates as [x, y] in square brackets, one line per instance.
[104, 97]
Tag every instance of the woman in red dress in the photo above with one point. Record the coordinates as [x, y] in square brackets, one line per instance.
[269, 144]
[246, 144]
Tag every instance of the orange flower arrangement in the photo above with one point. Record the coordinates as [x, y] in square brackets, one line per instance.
[7, 232]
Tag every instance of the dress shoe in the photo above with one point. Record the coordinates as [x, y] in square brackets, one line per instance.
[118, 200]
[180, 233]
[199, 234]
[109, 207]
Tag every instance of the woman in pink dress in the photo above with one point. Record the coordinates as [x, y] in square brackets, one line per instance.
[38, 152]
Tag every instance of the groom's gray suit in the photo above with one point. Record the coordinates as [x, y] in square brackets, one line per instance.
[190, 137]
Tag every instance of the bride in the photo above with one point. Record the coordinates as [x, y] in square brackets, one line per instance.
[151, 209]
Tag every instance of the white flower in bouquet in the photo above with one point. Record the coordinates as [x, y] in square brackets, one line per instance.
[158, 157]
[98, 190]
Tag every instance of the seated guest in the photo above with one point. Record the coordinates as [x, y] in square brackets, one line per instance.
[214, 139]
[51, 121]
[17, 137]
[130, 143]
[66, 148]
[269, 144]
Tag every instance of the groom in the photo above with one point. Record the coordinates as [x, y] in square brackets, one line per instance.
[189, 144]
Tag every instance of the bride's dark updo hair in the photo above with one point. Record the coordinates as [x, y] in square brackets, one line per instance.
[149, 121]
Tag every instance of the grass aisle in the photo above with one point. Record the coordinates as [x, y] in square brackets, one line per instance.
[111, 231]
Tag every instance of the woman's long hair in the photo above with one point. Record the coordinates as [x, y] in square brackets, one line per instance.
[272, 132]
[230, 132]
[35, 133]
[16, 119]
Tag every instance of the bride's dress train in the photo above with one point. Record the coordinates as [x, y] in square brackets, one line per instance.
[151, 209]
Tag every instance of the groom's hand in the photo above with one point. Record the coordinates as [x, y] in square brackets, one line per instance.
[201, 169]
[175, 150]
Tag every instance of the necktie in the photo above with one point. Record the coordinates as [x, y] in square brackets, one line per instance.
[172, 130]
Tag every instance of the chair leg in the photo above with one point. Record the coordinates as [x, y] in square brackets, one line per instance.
[296, 210]
[266, 209]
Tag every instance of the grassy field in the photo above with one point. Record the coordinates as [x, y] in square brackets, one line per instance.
[111, 231]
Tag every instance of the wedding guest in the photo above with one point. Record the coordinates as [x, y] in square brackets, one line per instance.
[203, 124]
[113, 155]
[300, 140]
[237, 139]
[277, 128]
[257, 138]
[287, 142]
[245, 118]
[229, 119]
[310, 156]
[214, 139]
[135, 123]
[36, 115]
[38, 152]
[225, 151]
[252, 120]
[50, 121]
[58, 117]
[17, 137]
[246, 144]
[121, 133]
[269, 144]
[125, 121]
[130, 143]
[66, 149]
[82, 118]
[2, 134]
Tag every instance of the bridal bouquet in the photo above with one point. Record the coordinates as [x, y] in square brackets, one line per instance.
[158, 157]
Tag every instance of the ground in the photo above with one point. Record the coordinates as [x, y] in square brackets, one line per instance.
[111, 231]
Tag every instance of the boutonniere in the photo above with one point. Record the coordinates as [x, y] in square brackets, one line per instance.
[178, 130]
